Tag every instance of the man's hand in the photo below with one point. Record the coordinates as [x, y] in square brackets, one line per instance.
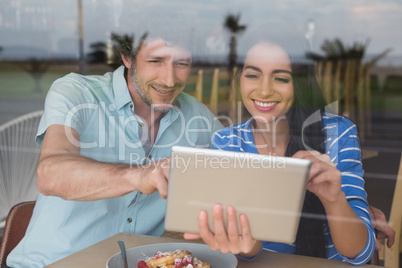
[383, 230]
[63, 172]
[154, 177]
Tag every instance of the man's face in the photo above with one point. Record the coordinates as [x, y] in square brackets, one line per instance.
[160, 73]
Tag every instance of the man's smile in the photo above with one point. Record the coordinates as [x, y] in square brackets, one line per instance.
[163, 92]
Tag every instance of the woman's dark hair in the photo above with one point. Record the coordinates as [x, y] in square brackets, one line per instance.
[308, 106]
[305, 123]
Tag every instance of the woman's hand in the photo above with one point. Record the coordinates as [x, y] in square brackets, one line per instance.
[348, 231]
[227, 240]
[324, 179]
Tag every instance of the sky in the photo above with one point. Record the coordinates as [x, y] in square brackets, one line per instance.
[52, 25]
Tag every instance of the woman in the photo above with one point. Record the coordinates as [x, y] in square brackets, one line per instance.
[288, 119]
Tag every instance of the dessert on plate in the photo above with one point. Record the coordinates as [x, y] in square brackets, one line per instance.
[173, 259]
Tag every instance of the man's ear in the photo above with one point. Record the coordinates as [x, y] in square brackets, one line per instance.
[127, 62]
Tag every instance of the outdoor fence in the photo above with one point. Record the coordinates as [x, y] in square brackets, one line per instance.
[348, 82]
[345, 82]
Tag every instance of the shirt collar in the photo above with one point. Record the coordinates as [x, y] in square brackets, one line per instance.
[247, 124]
[121, 92]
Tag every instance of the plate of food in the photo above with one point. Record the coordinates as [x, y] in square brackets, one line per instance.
[173, 255]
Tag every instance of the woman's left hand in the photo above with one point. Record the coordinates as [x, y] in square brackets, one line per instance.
[324, 179]
[227, 240]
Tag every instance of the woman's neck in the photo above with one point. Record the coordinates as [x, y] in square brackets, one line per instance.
[271, 138]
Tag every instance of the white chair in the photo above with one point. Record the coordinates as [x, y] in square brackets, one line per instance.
[19, 156]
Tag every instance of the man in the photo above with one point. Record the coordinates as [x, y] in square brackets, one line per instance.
[106, 140]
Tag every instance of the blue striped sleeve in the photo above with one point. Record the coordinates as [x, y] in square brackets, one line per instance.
[237, 138]
[344, 150]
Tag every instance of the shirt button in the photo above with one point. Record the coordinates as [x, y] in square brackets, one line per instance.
[129, 220]
[141, 124]
[131, 105]
[149, 157]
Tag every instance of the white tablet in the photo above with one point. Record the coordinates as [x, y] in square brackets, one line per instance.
[269, 190]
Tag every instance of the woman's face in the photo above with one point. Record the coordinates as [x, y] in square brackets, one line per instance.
[266, 83]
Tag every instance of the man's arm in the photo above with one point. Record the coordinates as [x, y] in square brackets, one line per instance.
[383, 230]
[63, 172]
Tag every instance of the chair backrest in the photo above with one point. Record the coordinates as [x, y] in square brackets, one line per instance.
[16, 224]
[391, 255]
[19, 156]
[383, 176]
[375, 260]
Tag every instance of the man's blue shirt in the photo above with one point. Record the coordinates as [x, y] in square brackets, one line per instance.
[101, 110]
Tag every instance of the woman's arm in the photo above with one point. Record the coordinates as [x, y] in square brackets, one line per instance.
[348, 231]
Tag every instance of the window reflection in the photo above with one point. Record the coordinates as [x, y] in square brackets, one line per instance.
[355, 48]
[40, 42]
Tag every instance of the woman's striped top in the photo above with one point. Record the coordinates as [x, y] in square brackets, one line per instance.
[342, 145]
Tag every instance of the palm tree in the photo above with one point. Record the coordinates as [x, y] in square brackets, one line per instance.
[119, 42]
[232, 24]
[98, 52]
[36, 68]
[123, 44]
[345, 67]
[335, 50]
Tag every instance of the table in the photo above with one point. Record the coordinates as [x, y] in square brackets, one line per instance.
[98, 254]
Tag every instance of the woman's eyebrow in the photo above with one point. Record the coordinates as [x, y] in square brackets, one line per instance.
[281, 71]
[252, 68]
[259, 70]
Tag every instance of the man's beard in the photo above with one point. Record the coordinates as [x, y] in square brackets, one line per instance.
[146, 98]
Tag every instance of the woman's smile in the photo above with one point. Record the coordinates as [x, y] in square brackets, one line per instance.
[265, 106]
